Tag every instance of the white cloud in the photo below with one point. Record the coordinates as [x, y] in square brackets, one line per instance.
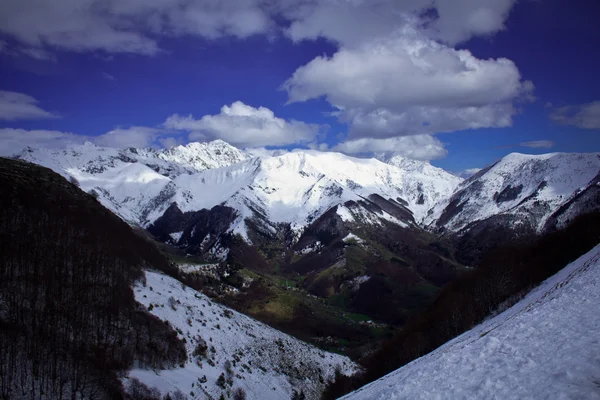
[135, 136]
[418, 147]
[13, 141]
[467, 173]
[136, 26]
[126, 26]
[14, 106]
[318, 146]
[245, 126]
[538, 144]
[585, 116]
[395, 76]
[449, 21]
[36, 53]
[409, 84]
[459, 20]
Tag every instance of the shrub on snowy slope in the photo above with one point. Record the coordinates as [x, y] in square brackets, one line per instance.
[503, 273]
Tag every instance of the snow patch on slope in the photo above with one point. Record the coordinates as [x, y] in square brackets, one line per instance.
[545, 347]
[266, 363]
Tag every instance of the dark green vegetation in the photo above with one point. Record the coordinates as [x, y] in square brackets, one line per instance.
[503, 274]
[68, 318]
[343, 294]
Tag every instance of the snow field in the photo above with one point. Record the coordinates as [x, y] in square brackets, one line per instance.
[547, 346]
[264, 362]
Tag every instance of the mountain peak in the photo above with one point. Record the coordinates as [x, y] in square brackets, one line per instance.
[536, 185]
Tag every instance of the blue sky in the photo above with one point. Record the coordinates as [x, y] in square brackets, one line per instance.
[459, 86]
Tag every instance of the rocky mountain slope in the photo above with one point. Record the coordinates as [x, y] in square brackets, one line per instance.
[520, 195]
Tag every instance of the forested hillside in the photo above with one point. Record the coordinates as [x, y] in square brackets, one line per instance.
[69, 322]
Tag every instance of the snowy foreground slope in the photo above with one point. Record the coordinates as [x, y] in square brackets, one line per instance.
[547, 346]
[264, 362]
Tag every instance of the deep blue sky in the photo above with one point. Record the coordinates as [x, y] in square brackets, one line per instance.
[555, 44]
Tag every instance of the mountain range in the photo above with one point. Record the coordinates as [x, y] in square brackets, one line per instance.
[360, 233]
[281, 196]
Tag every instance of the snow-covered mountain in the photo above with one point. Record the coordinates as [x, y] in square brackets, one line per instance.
[275, 194]
[263, 362]
[292, 189]
[545, 346]
[129, 181]
[527, 192]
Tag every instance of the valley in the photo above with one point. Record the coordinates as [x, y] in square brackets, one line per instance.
[335, 250]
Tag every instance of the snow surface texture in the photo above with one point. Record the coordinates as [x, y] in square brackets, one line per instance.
[266, 363]
[531, 187]
[292, 188]
[547, 346]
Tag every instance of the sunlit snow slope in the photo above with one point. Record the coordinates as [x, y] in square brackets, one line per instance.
[532, 192]
[547, 346]
[264, 362]
[291, 188]
[528, 188]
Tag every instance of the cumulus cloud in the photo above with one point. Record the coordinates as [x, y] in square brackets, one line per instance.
[14, 106]
[136, 26]
[418, 147]
[135, 136]
[451, 22]
[245, 126]
[585, 116]
[409, 84]
[126, 26]
[399, 75]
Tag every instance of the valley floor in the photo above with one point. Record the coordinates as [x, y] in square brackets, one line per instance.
[547, 346]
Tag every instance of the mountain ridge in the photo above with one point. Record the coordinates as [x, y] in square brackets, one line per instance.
[140, 184]
[282, 193]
